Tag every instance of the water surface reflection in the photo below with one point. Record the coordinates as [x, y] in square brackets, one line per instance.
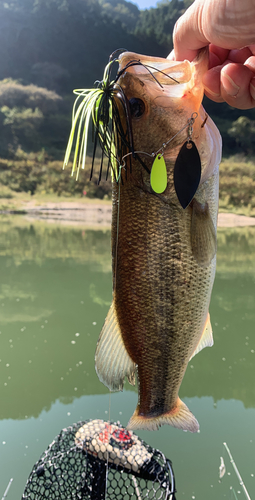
[55, 291]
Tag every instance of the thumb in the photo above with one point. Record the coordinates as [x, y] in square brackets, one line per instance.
[187, 36]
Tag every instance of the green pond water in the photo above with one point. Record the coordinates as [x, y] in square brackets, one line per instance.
[55, 291]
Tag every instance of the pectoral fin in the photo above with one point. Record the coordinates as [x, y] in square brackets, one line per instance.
[112, 360]
[203, 234]
[206, 339]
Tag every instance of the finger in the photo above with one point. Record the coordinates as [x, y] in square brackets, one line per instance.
[212, 83]
[217, 55]
[252, 49]
[236, 81]
[239, 56]
[252, 89]
[213, 98]
[187, 37]
[250, 64]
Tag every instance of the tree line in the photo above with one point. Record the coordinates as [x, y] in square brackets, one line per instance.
[49, 47]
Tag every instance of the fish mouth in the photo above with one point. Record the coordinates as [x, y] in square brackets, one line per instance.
[171, 76]
[139, 65]
[115, 107]
[143, 79]
[173, 87]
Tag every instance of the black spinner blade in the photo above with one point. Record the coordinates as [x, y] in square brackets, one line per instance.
[187, 173]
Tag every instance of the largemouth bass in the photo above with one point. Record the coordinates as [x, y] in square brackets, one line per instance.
[164, 255]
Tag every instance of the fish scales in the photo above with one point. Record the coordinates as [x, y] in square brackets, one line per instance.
[158, 295]
[163, 270]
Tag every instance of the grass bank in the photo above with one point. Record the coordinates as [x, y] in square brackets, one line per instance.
[35, 180]
[19, 202]
[237, 186]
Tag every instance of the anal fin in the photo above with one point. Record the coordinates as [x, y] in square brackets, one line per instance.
[206, 339]
[112, 360]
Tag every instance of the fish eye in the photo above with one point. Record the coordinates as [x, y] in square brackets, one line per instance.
[137, 107]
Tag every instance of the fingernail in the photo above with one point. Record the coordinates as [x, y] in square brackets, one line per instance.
[229, 85]
[211, 92]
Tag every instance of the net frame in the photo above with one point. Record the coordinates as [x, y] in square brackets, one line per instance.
[66, 471]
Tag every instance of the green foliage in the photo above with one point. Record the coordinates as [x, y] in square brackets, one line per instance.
[237, 185]
[19, 116]
[29, 119]
[243, 131]
[121, 11]
[23, 175]
[49, 75]
[22, 125]
[34, 173]
[229, 261]
[16, 95]
[49, 47]
[225, 117]
[5, 192]
[70, 37]
[158, 24]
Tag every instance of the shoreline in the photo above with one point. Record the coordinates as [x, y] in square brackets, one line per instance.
[97, 214]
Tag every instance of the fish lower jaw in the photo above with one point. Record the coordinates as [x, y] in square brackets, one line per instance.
[179, 417]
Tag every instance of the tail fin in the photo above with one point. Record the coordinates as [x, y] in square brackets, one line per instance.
[179, 417]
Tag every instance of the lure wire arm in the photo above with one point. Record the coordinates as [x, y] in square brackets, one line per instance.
[137, 62]
[161, 151]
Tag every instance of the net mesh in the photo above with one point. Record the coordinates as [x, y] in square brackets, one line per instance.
[96, 460]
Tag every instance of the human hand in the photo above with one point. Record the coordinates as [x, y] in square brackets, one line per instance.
[228, 28]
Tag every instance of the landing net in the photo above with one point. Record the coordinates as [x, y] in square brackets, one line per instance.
[97, 460]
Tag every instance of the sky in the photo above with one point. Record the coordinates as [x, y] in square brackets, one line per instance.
[145, 4]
